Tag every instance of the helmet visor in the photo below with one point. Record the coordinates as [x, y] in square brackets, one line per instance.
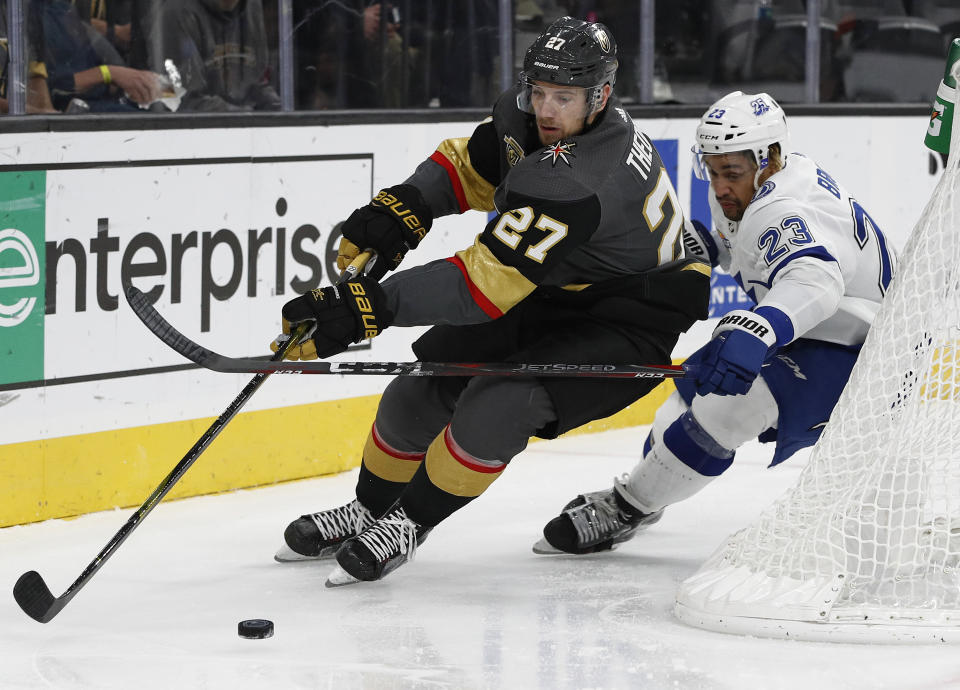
[541, 98]
[699, 166]
[700, 160]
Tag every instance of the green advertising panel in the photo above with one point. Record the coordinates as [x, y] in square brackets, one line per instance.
[22, 275]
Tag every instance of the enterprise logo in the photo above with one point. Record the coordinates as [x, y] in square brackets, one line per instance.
[19, 267]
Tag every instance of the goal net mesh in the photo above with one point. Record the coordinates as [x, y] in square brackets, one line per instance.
[870, 534]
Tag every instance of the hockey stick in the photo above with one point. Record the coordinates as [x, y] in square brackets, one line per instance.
[217, 362]
[32, 593]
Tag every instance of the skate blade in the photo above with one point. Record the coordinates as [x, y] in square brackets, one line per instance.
[339, 577]
[287, 555]
[544, 548]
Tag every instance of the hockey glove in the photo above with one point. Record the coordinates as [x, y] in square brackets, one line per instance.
[742, 341]
[698, 242]
[342, 315]
[392, 223]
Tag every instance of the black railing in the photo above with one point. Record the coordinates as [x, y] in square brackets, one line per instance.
[333, 55]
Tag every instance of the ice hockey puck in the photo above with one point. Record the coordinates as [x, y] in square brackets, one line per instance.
[255, 629]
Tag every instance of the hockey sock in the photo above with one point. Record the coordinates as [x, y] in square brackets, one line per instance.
[449, 479]
[384, 472]
[680, 465]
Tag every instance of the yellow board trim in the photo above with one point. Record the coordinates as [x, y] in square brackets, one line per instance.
[74, 475]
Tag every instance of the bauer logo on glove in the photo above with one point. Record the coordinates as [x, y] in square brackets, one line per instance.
[365, 309]
[340, 317]
[392, 223]
[402, 211]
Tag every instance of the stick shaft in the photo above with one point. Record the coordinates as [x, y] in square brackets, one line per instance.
[217, 362]
[32, 593]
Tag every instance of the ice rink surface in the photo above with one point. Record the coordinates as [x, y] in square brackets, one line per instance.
[476, 609]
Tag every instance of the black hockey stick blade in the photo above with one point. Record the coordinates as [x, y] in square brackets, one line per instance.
[30, 591]
[248, 365]
[36, 599]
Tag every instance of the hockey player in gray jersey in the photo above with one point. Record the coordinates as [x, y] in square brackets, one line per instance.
[816, 265]
[582, 262]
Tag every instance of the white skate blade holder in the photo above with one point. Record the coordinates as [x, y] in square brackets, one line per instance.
[544, 548]
[339, 577]
[287, 555]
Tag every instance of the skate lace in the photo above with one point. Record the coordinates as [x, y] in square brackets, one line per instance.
[391, 535]
[597, 519]
[343, 521]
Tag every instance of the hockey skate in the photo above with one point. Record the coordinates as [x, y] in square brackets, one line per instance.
[597, 521]
[378, 550]
[319, 535]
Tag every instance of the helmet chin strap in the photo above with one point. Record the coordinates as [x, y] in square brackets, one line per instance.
[593, 110]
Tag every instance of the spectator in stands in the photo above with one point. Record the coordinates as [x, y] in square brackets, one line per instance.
[463, 43]
[220, 49]
[83, 65]
[111, 19]
[146, 48]
[347, 59]
[38, 95]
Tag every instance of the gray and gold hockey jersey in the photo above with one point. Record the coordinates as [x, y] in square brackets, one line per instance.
[588, 211]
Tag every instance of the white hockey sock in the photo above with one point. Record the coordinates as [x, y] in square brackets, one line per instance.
[675, 466]
[661, 478]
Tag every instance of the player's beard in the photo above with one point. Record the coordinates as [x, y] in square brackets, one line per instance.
[735, 210]
[550, 137]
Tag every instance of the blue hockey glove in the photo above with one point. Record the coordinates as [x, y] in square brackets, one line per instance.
[730, 363]
[698, 242]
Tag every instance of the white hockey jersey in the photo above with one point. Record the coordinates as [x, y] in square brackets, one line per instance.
[809, 249]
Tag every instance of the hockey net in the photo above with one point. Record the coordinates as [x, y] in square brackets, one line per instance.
[866, 545]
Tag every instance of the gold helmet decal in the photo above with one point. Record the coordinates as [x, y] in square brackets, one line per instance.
[514, 150]
[603, 40]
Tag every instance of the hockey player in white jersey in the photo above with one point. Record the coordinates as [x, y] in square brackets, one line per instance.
[815, 264]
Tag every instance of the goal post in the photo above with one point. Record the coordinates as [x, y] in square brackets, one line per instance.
[866, 546]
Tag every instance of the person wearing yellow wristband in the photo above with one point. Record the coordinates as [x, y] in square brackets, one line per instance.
[78, 69]
[140, 86]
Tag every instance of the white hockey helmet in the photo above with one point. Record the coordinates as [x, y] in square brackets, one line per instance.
[741, 122]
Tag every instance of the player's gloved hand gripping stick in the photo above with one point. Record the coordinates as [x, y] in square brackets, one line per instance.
[392, 223]
[731, 361]
[32, 593]
[336, 316]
